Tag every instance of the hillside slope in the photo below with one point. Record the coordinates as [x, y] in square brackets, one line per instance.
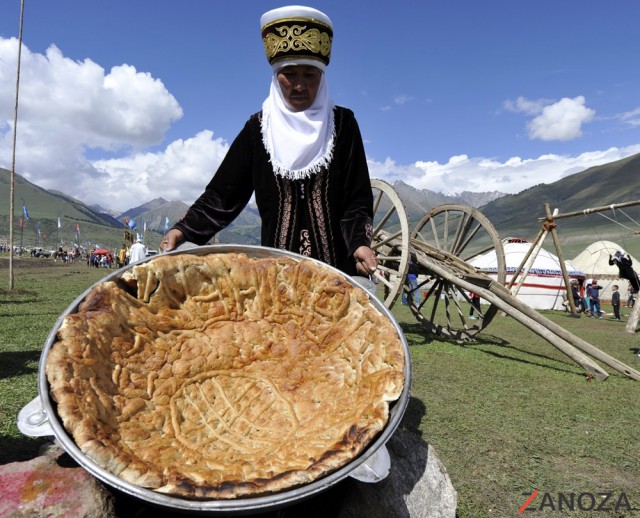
[609, 184]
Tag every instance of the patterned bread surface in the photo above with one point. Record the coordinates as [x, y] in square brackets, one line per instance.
[224, 376]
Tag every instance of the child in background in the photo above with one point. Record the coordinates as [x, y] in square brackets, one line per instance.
[615, 302]
[594, 299]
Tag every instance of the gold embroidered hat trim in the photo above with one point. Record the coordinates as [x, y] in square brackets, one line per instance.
[297, 33]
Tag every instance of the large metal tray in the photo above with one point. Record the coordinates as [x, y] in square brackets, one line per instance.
[39, 418]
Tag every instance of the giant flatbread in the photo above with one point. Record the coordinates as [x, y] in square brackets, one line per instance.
[224, 376]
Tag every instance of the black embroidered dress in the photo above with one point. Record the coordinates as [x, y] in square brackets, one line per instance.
[327, 215]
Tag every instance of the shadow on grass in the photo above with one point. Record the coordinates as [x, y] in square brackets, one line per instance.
[413, 415]
[37, 314]
[17, 363]
[498, 342]
[417, 330]
[18, 302]
[20, 449]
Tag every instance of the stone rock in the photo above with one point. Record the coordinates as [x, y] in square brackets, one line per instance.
[52, 485]
[418, 485]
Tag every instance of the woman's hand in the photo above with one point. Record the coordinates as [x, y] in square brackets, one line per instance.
[172, 240]
[366, 260]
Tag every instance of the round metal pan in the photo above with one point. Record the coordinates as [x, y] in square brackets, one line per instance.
[240, 506]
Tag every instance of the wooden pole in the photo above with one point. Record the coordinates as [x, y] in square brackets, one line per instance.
[525, 258]
[502, 299]
[13, 154]
[563, 266]
[595, 209]
[532, 254]
[632, 323]
[569, 344]
[572, 339]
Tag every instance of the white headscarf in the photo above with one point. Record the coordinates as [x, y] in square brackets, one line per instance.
[299, 143]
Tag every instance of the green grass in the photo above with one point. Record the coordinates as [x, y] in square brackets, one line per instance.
[510, 413]
[43, 289]
[506, 414]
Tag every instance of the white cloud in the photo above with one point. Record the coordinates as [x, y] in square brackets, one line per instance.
[478, 174]
[632, 117]
[402, 99]
[67, 108]
[553, 120]
[527, 106]
[180, 172]
[70, 110]
[561, 121]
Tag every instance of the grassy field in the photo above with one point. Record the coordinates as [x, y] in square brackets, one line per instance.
[506, 414]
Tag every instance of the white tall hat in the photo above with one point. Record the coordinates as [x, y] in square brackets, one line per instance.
[297, 35]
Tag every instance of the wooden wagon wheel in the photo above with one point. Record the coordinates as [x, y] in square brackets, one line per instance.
[453, 234]
[390, 240]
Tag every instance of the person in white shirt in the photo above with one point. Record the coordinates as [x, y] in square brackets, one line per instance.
[138, 251]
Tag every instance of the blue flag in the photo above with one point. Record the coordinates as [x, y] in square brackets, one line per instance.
[132, 224]
[25, 212]
[166, 223]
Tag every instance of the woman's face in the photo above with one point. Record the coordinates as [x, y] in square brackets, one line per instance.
[299, 85]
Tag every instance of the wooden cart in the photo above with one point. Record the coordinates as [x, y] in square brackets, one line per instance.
[439, 248]
[449, 234]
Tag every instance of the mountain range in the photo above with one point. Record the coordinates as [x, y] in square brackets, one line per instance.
[601, 186]
[510, 214]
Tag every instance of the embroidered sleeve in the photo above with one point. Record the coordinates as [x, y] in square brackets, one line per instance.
[357, 220]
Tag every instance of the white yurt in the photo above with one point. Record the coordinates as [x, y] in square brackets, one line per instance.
[544, 286]
[594, 262]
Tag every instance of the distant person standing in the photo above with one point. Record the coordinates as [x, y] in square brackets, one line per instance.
[138, 251]
[593, 293]
[412, 285]
[630, 296]
[577, 299]
[586, 302]
[615, 302]
[122, 256]
[475, 304]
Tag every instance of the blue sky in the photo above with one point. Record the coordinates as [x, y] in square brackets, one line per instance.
[122, 102]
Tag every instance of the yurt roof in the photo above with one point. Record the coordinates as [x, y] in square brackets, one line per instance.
[594, 260]
[515, 250]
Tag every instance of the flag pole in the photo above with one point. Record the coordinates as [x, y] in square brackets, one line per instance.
[13, 156]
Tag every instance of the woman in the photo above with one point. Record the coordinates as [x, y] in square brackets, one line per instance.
[625, 268]
[301, 156]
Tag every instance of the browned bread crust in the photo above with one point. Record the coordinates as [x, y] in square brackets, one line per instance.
[225, 376]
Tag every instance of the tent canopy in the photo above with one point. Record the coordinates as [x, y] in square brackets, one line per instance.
[594, 262]
[514, 252]
[544, 286]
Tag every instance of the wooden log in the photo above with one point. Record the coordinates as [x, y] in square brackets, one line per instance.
[563, 266]
[508, 307]
[542, 233]
[555, 334]
[594, 209]
[574, 340]
[632, 323]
